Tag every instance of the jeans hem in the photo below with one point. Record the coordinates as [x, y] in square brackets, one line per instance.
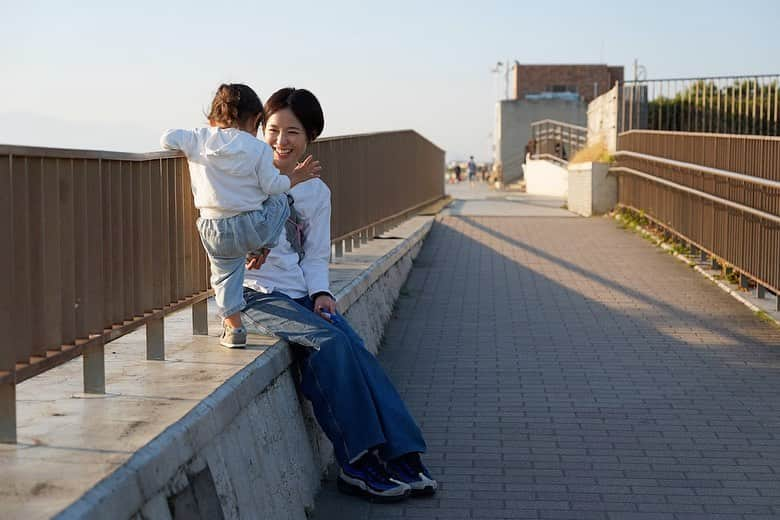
[233, 310]
[394, 454]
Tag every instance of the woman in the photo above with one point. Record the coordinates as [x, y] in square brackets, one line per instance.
[376, 441]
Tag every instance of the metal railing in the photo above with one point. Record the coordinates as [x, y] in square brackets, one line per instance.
[748, 105]
[376, 180]
[102, 243]
[556, 141]
[720, 193]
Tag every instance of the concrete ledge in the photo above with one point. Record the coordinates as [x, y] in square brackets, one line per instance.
[208, 433]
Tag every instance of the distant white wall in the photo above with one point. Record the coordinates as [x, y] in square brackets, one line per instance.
[602, 119]
[546, 178]
[513, 127]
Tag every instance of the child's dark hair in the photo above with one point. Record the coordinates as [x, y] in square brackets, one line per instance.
[303, 104]
[234, 104]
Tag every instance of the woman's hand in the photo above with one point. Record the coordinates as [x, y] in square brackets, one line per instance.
[325, 306]
[256, 260]
[306, 170]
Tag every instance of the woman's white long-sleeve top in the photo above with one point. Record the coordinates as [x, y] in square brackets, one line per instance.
[281, 271]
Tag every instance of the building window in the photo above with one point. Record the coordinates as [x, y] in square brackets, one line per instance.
[563, 88]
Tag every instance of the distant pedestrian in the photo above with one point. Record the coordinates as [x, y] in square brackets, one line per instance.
[457, 172]
[529, 150]
[472, 169]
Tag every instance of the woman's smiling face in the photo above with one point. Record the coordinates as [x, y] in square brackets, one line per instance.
[285, 134]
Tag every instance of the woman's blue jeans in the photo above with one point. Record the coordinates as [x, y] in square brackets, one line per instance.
[354, 401]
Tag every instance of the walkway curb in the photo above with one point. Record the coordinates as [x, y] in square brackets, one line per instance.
[734, 293]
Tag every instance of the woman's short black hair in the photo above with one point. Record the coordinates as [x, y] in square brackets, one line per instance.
[303, 104]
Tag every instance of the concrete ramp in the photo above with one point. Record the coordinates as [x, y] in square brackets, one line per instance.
[546, 178]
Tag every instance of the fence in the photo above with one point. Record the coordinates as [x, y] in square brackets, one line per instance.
[103, 243]
[720, 193]
[376, 180]
[748, 105]
[556, 141]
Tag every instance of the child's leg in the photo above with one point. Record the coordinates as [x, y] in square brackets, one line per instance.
[227, 279]
[227, 257]
[267, 223]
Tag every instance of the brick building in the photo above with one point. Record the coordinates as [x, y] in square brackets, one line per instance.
[589, 81]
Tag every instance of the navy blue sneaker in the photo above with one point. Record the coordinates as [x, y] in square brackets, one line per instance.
[410, 470]
[367, 477]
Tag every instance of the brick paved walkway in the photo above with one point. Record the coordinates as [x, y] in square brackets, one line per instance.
[565, 368]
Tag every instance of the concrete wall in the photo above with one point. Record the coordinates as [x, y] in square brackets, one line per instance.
[252, 449]
[592, 191]
[513, 130]
[546, 178]
[603, 119]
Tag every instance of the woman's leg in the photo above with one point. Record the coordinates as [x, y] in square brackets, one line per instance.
[399, 428]
[331, 375]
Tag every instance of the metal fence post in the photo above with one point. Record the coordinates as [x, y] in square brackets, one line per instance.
[8, 412]
[95, 368]
[200, 318]
[155, 339]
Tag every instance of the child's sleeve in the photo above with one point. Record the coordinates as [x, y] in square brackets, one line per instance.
[178, 139]
[271, 181]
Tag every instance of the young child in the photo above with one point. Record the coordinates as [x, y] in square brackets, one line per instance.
[239, 193]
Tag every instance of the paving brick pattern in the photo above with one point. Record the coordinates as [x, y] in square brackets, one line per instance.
[565, 368]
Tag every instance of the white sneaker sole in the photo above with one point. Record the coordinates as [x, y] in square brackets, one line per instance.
[351, 486]
[227, 344]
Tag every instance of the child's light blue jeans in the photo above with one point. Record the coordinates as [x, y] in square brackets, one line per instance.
[227, 241]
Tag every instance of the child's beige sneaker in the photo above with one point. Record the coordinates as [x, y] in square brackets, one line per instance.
[232, 338]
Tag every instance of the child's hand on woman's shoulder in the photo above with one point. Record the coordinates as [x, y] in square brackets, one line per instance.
[306, 170]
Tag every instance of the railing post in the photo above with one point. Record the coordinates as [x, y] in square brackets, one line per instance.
[95, 368]
[356, 239]
[364, 236]
[348, 245]
[155, 339]
[8, 412]
[339, 249]
[200, 318]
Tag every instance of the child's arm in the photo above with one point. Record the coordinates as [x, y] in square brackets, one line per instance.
[306, 170]
[273, 182]
[177, 139]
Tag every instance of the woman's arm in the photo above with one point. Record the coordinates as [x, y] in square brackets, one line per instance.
[316, 246]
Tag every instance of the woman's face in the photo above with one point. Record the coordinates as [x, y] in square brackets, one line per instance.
[285, 134]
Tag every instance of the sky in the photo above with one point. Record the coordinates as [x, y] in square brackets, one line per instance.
[89, 74]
